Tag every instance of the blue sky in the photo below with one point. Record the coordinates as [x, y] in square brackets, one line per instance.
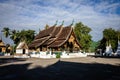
[35, 14]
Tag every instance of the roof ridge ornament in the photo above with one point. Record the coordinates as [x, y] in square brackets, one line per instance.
[62, 23]
[56, 23]
[72, 23]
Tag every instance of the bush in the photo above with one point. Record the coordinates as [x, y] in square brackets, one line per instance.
[58, 54]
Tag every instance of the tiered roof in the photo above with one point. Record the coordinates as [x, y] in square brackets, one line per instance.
[52, 37]
[63, 37]
[45, 33]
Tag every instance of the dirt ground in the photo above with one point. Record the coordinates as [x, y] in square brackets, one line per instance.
[88, 68]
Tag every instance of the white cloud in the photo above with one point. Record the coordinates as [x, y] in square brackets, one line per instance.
[35, 14]
[107, 7]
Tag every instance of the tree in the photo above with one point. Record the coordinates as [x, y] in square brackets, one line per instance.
[94, 45]
[118, 34]
[6, 31]
[110, 36]
[82, 33]
[29, 36]
[23, 35]
[14, 36]
[7, 48]
[17, 36]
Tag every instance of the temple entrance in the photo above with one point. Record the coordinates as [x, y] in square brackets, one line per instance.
[23, 51]
[71, 46]
[40, 48]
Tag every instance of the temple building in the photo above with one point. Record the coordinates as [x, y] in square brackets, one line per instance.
[22, 48]
[56, 38]
[2, 46]
[108, 51]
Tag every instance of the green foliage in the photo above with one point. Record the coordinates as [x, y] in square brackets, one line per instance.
[58, 54]
[6, 31]
[82, 33]
[24, 35]
[110, 36]
[17, 36]
[93, 45]
[28, 35]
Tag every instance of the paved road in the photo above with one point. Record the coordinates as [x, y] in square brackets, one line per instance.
[89, 68]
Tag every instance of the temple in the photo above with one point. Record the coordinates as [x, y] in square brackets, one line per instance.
[22, 48]
[56, 39]
[108, 51]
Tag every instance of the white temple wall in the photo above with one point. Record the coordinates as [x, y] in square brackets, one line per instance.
[19, 51]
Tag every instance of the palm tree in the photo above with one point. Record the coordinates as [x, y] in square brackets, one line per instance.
[13, 35]
[6, 31]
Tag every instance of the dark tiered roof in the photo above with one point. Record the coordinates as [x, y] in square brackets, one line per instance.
[46, 32]
[52, 37]
[63, 37]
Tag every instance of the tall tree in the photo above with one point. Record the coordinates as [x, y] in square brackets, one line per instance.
[110, 36]
[29, 36]
[6, 31]
[82, 33]
[14, 36]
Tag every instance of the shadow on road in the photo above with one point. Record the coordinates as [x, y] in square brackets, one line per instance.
[10, 60]
[61, 70]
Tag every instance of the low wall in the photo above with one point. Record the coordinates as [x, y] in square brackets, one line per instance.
[90, 53]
